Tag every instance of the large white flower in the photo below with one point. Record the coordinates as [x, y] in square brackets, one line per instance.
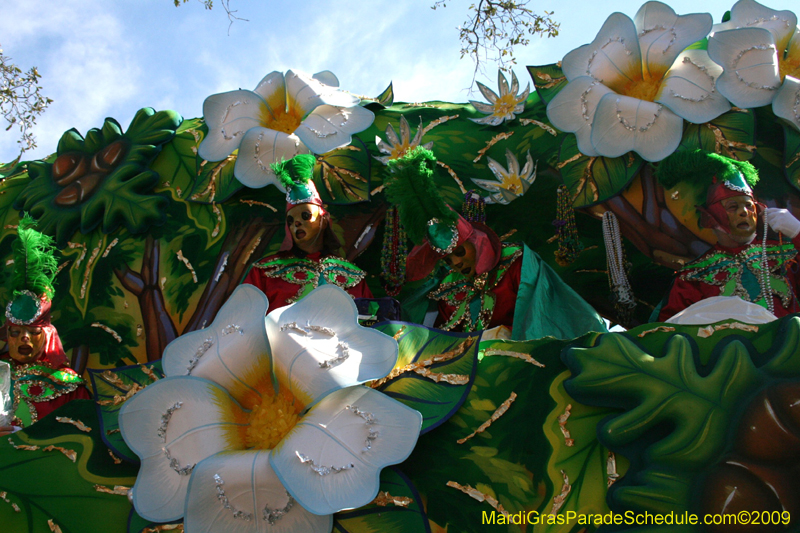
[759, 49]
[634, 85]
[284, 116]
[262, 424]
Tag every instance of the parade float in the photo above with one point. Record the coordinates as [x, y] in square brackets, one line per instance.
[157, 219]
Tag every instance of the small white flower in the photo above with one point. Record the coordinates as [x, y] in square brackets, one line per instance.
[511, 183]
[504, 107]
[284, 116]
[397, 147]
[262, 424]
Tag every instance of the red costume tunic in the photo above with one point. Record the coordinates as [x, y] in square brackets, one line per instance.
[40, 388]
[482, 302]
[286, 278]
[737, 272]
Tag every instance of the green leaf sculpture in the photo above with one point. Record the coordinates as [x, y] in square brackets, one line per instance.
[112, 388]
[666, 390]
[592, 180]
[548, 80]
[102, 180]
[434, 370]
[791, 154]
[397, 509]
[732, 134]
[41, 480]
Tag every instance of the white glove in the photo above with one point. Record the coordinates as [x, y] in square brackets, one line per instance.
[781, 220]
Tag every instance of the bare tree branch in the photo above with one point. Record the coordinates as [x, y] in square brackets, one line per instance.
[495, 27]
[226, 5]
[21, 100]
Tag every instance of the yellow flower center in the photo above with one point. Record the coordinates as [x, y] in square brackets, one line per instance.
[285, 121]
[505, 105]
[270, 421]
[644, 89]
[399, 150]
[789, 67]
[513, 184]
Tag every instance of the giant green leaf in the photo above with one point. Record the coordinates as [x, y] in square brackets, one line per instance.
[391, 518]
[85, 252]
[731, 134]
[662, 391]
[579, 458]
[592, 180]
[342, 176]
[103, 180]
[215, 182]
[111, 390]
[791, 154]
[47, 485]
[508, 459]
[548, 80]
[418, 344]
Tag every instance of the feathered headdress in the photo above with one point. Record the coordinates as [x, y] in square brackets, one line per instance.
[295, 175]
[423, 212]
[35, 268]
[707, 169]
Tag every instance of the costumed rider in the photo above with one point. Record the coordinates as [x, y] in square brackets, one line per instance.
[40, 380]
[486, 284]
[734, 266]
[310, 253]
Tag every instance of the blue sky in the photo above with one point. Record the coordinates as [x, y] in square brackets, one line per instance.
[101, 58]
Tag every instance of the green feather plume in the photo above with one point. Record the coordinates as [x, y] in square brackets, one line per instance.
[412, 189]
[296, 171]
[35, 264]
[699, 167]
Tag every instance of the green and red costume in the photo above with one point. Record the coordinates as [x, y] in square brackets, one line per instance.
[286, 277]
[737, 272]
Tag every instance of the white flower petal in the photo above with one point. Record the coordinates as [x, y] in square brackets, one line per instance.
[787, 103]
[491, 120]
[391, 135]
[622, 124]
[573, 108]
[233, 351]
[497, 169]
[272, 88]
[689, 88]
[329, 127]
[663, 35]
[491, 186]
[228, 117]
[487, 92]
[327, 77]
[750, 14]
[502, 84]
[750, 61]
[260, 148]
[418, 137]
[196, 418]
[514, 83]
[405, 130]
[245, 482]
[333, 435]
[297, 357]
[613, 58]
[793, 50]
[306, 93]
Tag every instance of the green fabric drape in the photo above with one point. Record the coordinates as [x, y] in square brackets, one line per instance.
[547, 306]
